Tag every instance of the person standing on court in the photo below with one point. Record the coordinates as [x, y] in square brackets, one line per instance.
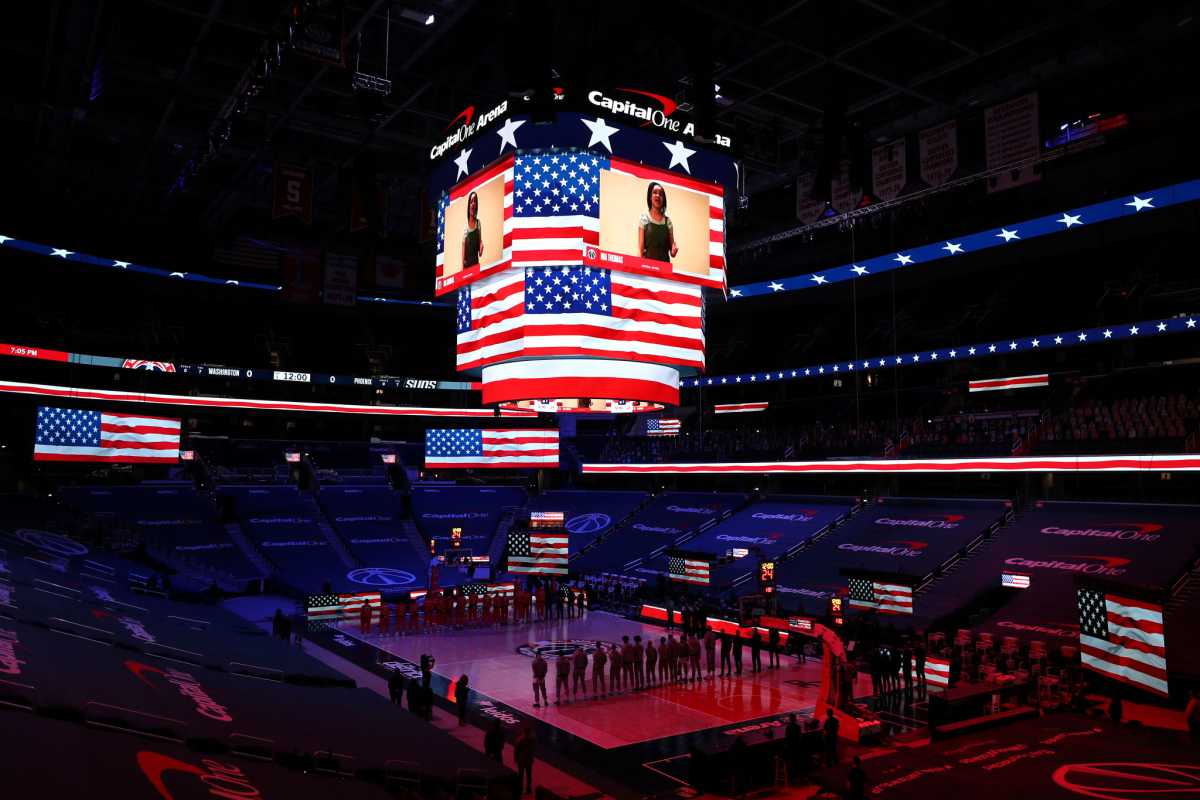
[581, 661]
[540, 668]
[773, 648]
[396, 687]
[664, 661]
[726, 642]
[756, 651]
[710, 652]
[614, 669]
[682, 653]
[651, 662]
[581, 601]
[523, 756]
[876, 664]
[364, 618]
[856, 781]
[738, 766]
[461, 690]
[831, 737]
[919, 659]
[694, 648]
[639, 672]
[493, 742]
[562, 678]
[737, 650]
[627, 657]
[907, 660]
[599, 660]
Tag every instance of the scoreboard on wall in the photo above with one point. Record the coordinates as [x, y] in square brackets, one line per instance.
[578, 252]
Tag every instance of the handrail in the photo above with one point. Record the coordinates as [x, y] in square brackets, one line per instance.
[245, 752]
[139, 609]
[87, 720]
[203, 623]
[171, 654]
[98, 579]
[75, 594]
[57, 566]
[32, 692]
[101, 567]
[74, 626]
[278, 672]
[336, 766]
[406, 772]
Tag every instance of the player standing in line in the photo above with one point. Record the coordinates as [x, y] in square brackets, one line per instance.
[540, 667]
[562, 679]
[627, 658]
[364, 617]
[672, 665]
[385, 618]
[401, 610]
[694, 648]
[639, 672]
[541, 603]
[651, 662]
[664, 661]
[681, 657]
[581, 661]
[614, 669]
[489, 605]
[710, 650]
[599, 659]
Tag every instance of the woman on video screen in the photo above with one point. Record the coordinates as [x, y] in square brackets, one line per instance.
[656, 234]
[472, 233]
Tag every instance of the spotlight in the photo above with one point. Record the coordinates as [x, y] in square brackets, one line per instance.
[430, 20]
[829, 210]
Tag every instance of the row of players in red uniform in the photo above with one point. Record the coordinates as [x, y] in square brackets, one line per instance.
[631, 667]
[462, 610]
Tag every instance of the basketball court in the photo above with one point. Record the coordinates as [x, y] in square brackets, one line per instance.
[498, 663]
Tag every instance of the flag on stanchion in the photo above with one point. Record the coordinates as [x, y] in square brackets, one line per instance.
[537, 552]
[688, 567]
[1123, 638]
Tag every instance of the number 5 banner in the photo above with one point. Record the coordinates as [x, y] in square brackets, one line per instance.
[293, 192]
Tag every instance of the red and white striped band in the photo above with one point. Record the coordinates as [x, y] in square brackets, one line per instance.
[580, 377]
[1124, 463]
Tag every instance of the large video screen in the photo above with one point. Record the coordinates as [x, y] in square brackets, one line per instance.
[471, 228]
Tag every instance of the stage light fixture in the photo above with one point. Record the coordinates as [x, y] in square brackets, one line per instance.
[829, 210]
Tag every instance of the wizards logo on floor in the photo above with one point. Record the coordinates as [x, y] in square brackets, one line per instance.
[552, 649]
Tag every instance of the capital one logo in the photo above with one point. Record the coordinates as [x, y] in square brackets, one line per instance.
[1126, 780]
[588, 523]
[1127, 531]
[221, 780]
[187, 685]
[765, 538]
[135, 626]
[924, 521]
[909, 548]
[1091, 565]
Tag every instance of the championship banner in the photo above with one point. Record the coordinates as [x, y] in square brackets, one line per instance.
[321, 34]
[301, 276]
[889, 170]
[808, 210]
[341, 279]
[937, 148]
[358, 216]
[1021, 382]
[1011, 134]
[384, 271]
[737, 408]
[293, 192]
[844, 198]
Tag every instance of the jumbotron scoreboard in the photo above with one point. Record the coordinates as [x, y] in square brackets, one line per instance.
[578, 253]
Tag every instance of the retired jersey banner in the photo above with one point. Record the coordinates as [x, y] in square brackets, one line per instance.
[293, 192]
[937, 148]
[1020, 382]
[321, 34]
[358, 215]
[341, 279]
[301, 276]
[889, 172]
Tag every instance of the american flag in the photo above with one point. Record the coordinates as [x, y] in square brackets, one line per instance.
[1123, 638]
[737, 408]
[662, 427]
[68, 434]
[337, 605]
[688, 570]
[886, 598]
[537, 552]
[579, 311]
[447, 448]
[937, 671]
[1014, 580]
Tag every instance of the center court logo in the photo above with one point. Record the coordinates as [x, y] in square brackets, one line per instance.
[588, 523]
[51, 542]
[1128, 780]
[1108, 565]
[559, 648]
[381, 576]
[219, 779]
[924, 521]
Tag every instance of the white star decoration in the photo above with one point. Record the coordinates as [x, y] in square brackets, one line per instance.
[735, 293]
[819, 279]
[4, 239]
[1133, 331]
[601, 133]
[971, 351]
[461, 163]
[1138, 203]
[860, 270]
[1008, 236]
[903, 259]
[953, 354]
[1068, 220]
[953, 248]
[1035, 342]
[1162, 326]
[1191, 323]
[1108, 334]
[1083, 337]
[1012, 345]
[1058, 340]
[58, 251]
[775, 287]
[121, 264]
[508, 132]
[679, 155]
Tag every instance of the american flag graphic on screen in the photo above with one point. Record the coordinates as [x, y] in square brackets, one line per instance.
[68, 434]
[662, 427]
[1123, 638]
[1014, 580]
[886, 598]
[537, 552]
[336, 605]
[476, 448]
[579, 311]
[688, 570]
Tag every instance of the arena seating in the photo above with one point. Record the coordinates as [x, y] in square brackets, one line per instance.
[282, 525]
[366, 518]
[99, 661]
[911, 536]
[475, 509]
[236, 461]
[348, 463]
[665, 521]
[590, 515]
[1145, 544]
[774, 526]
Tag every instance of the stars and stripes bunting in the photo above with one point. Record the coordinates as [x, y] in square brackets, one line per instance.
[737, 408]
[537, 552]
[1123, 638]
[688, 570]
[491, 447]
[954, 247]
[886, 598]
[69, 434]
[1020, 382]
[662, 427]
